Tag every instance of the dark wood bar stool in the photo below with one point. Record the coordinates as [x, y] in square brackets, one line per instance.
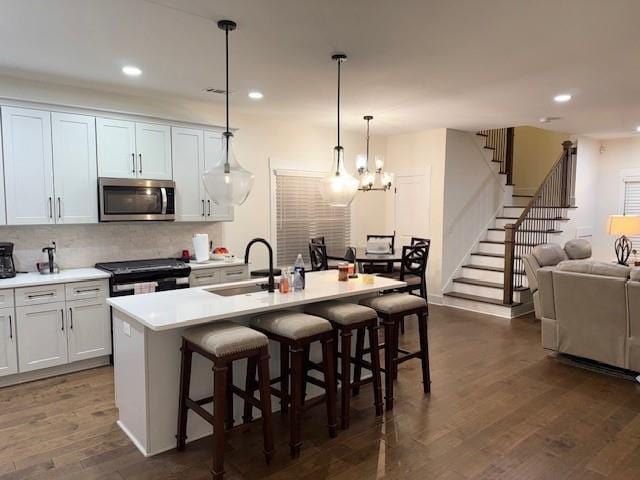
[295, 332]
[392, 309]
[345, 319]
[223, 343]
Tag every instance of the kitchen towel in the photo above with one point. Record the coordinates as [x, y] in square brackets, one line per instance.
[144, 287]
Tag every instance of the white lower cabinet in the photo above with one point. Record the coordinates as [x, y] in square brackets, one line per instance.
[89, 332]
[8, 342]
[42, 336]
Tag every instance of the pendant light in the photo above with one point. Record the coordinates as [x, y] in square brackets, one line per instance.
[367, 177]
[227, 183]
[338, 188]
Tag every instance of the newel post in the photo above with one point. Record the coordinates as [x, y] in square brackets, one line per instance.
[509, 257]
[509, 155]
[567, 146]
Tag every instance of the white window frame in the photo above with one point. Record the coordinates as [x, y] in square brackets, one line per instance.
[273, 204]
[628, 175]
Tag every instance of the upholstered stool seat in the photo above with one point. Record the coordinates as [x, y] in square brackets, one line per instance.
[295, 332]
[225, 338]
[341, 312]
[224, 343]
[291, 325]
[347, 318]
[392, 309]
[394, 303]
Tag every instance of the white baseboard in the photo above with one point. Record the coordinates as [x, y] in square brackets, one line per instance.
[53, 371]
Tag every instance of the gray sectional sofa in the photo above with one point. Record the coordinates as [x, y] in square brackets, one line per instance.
[588, 309]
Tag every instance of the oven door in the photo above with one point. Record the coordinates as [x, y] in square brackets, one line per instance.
[123, 200]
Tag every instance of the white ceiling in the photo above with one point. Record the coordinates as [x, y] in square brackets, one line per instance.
[413, 64]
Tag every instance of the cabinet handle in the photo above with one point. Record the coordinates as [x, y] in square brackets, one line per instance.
[208, 208]
[59, 209]
[140, 157]
[10, 327]
[50, 209]
[62, 318]
[133, 162]
[87, 290]
[203, 208]
[40, 295]
[71, 318]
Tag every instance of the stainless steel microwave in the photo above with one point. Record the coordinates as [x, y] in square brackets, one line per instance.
[132, 199]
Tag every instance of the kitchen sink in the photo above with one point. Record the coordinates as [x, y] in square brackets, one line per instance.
[241, 290]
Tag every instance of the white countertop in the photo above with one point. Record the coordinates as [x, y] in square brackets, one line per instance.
[215, 264]
[33, 279]
[192, 306]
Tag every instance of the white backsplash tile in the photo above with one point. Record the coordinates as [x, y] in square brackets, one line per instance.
[84, 245]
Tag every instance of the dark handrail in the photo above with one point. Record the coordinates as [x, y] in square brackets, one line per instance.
[500, 141]
[537, 220]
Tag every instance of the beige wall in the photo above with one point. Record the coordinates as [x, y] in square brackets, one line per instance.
[423, 153]
[535, 151]
[260, 144]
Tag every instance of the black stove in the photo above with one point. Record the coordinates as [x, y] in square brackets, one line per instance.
[168, 273]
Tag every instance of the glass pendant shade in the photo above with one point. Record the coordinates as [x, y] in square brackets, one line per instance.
[227, 182]
[361, 162]
[338, 188]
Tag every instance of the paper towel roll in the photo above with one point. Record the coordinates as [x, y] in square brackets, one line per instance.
[201, 247]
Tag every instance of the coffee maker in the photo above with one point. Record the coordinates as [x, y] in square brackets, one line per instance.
[7, 267]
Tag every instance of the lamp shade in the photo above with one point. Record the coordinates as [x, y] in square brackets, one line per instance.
[227, 182]
[338, 188]
[624, 225]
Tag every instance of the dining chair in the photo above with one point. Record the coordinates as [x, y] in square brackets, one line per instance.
[318, 256]
[390, 238]
[318, 240]
[420, 240]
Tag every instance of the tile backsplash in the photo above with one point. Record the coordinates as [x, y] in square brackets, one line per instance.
[84, 245]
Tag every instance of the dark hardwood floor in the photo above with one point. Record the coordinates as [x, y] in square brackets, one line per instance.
[500, 408]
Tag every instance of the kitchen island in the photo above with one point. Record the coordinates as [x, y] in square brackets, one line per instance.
[147, 332]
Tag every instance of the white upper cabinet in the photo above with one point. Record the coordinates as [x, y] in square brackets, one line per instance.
[188, 163]
[133, 150]
[116, 148]
[74, 165]
[3, 210]
[8, 343]
[212, 155]
[28, 166]
[153, 146]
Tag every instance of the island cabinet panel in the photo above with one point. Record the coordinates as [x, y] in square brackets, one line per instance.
[28, 166]
[89, 332]
[42, 337]
[8, 342]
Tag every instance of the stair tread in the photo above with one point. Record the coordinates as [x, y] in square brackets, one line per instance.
[548, 206]
[478, 298]
[496, 229]
[482, 134]
[484, 283]
[489, 148]
[521, 196]
[492, 255]
[497, 242]
[502, 217]
[487, 268]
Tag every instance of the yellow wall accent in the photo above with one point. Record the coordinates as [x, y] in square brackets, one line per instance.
[534, 152]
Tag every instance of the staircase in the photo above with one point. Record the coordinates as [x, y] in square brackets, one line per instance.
[479, 284]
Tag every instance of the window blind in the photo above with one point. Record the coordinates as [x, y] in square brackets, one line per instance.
[632, 205]
[301, 213]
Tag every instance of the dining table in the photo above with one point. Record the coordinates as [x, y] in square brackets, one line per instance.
[362, 256]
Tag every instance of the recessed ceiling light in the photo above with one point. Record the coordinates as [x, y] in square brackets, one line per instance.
[563, 97]
[549, 119]
[255, 95]
[638, 129]
[131, 71]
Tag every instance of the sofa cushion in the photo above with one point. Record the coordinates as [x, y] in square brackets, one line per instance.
[595, 267]
[635, 274]
[578, 249]
[531, 267]
[549, 254]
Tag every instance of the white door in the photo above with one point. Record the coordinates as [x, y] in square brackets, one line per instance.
[411, 208]
[116, 141]
[187, 151]
[42, 336]
[28, 167]
[153, 146]
[89, 332]
[8, 342]
[213, 155]
[75, 169]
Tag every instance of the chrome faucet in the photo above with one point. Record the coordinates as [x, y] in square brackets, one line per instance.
[246, 260]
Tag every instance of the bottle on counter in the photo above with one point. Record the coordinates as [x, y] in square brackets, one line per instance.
[298, 273]
[283, 286]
